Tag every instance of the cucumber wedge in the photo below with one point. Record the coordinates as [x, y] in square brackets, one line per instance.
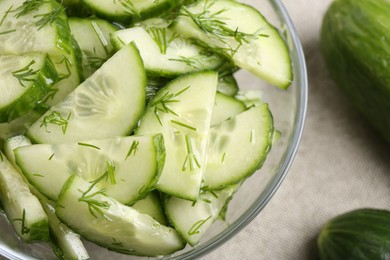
[25, 81]
[22, 208]
[99, 107]
[165, 53]
[192, 219]
[242, 34]
[65, 243]
[93, 37]
[238, 147]
[112, 164]
[108, 223]
[225, 107]
[34, 26]
[129, 10]
[181, 111]
[151, 205]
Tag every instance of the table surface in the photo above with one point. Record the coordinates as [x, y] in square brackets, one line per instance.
[341, 164]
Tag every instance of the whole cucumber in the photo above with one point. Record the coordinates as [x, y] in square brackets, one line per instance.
[356, 235]
[355, 42]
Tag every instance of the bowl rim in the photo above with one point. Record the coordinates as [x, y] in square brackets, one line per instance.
[270, 190]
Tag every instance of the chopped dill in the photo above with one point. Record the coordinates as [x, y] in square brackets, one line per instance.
[26, 74]
[133, 149]
[55, 118]
[195, 229]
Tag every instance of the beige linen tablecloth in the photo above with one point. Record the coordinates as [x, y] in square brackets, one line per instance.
[341, 164]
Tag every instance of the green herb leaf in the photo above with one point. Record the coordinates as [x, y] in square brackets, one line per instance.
[26, 74]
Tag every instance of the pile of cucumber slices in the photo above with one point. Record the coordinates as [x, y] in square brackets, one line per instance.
[121, 122]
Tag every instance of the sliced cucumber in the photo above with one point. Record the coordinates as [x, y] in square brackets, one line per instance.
[224, 108]
[34, 26]
[99, 107]
[93, 37]
[165, 53]
[25, 81]
[227, 84]
[242, 34]
[238, 147]
[192, 219]
[250, 97]
[22, 208]
[151, 205]
[181, 111]
[129, 10]
[65, 243]
[112, 164]
[108, 223]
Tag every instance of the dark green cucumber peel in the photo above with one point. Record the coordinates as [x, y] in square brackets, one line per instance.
[358, 234]
[355, 42]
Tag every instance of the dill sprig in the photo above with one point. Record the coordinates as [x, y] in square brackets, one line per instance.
[183, 125]
[133, 149]
[68, 65]
[6, 14]
[6, 32]
[89, 145]
[26, 74]
[212, 23]
[161, 37]
[55, 118]
[94, 62]
[128, 7]
[191, 160]
[28, 6]
[109, 174]
[95, 206]
[24, 229]
[49, 18]
[161, 104]
[195, 229]
[189, 61]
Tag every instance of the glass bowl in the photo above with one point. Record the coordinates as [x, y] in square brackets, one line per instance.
[288, 108]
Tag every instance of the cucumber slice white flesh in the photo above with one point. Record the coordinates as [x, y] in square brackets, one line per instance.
[181, 111]
[224, 108]
[112, 164]
[22, 208]
[65, 243]
[151, 205]
[238, 147]
[34, 26]
[165, 53]
[24, 82]
[107, 222]
[129, 10]
[192, 219]
[93, 37]
[242, 34]
[107, 104]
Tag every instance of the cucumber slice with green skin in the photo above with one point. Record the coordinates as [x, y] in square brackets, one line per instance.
[34, 26]
[165, 53]
[112, 164]
[227, 85]
[107, 222]
[25, 81]
[192, 219]
[22, 208]
[238, 147]
[181, 111]
[93, 37]
[129, 10]
[151, 205]
[99, 107]
[224, 108]
[65, 243]
[242, 34]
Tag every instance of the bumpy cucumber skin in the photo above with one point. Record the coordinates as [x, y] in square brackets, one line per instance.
[355, 45]
[355, 235]
[44, 81]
